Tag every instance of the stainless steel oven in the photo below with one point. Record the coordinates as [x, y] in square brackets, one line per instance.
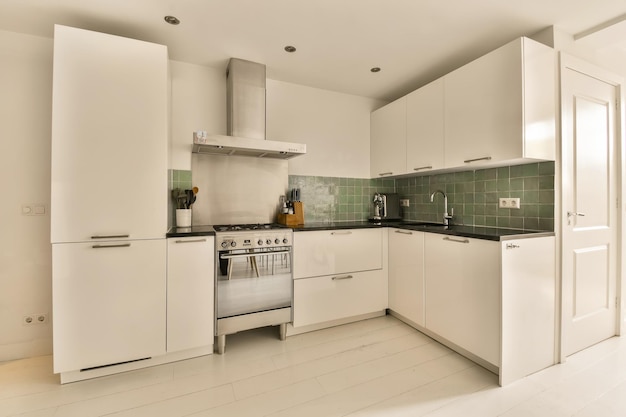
[253, 279]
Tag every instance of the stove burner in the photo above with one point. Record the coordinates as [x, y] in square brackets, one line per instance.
[246, 227]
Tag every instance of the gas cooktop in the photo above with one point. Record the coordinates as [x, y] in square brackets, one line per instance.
[248, 227]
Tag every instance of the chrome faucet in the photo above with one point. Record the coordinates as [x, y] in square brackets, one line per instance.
[446, 217]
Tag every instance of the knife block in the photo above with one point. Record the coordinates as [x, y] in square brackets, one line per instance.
[295, 219]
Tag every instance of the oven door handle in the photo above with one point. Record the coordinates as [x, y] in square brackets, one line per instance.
[251, 254]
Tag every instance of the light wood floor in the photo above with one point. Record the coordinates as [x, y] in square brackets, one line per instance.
[377, 367]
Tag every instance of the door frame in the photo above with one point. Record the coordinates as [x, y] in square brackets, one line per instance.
[582, 66]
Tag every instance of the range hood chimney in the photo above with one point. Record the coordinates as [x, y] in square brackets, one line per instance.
[245, 118]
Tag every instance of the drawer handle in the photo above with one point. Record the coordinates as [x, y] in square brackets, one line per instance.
[190, 241]
[484, 158]
[342, 277]
[404, 232]
[341, 233]
[512, 246]
[121, 245]
[456, 240]
[421, 168]
[110, 236]
[382, 174]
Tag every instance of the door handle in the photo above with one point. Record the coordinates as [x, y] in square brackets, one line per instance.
[574, 213]
[402, 232]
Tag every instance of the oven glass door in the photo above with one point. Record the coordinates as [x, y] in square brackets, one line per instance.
[253, 280]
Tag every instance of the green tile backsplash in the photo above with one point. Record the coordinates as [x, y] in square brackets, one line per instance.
[473, 195]
[330, 199]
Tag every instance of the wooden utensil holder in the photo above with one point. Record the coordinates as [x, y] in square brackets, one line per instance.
[295, 219]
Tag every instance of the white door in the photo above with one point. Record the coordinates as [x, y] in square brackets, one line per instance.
[589, 206]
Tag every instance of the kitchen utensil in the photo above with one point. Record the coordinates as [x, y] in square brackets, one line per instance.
[195, 190]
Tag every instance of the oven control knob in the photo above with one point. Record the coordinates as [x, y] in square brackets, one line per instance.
[277, 241]
[224, 244]
[285, 241]
[268, 241]
[233, 243]
[260, 242]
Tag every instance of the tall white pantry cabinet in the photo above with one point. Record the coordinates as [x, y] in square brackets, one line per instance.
[109, 199]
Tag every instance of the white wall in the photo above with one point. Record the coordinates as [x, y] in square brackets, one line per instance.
[25, 251]
[198, 103]
[335, 128]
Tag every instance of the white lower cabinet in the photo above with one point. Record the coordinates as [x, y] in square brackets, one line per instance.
[190, 288]
[108, 302]
[462, 285]
[338, 274]
[406, 274]
[324, 299]
[327, 252]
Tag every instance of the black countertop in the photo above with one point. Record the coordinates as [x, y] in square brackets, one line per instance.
[206, 230]
[477, 232]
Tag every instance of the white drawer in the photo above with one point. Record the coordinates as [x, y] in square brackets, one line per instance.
[322, 299]
[328, 252]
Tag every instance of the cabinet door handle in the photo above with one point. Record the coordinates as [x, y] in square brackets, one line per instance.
[404, 232]
[121, 245]
[341, 233]
[456, 240]
[190, 241]
[512, 246]
[110, 236]
[484, 158]
[421, 168]
[382, 174]
[342, 277]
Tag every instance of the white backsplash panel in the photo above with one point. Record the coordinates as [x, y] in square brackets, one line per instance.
[236, 189]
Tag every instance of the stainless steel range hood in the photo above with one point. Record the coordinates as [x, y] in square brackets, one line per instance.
[245, 97]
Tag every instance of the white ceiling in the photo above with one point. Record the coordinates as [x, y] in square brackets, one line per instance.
[338, 41]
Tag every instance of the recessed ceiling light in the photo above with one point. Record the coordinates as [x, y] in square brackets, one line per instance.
[290, 48]
[171, 20]
[375, 69]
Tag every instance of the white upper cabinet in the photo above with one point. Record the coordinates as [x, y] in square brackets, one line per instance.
[388, 140]
[425, 128]
[501, 107]
[109, 137]
[496, 110]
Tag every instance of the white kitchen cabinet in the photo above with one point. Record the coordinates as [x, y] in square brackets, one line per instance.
[328, 252]
[462, 287]
[388, 140]
[425, 128]
[328, 298]
[406, 274]
[190, 288]
[108, 200]
[109, 302]
[501, 106]
[109, 137]
[528, 307]
[338, 274]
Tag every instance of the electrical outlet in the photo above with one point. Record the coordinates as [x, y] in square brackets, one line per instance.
[510, 203]
[32, 319]
[404, 202]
